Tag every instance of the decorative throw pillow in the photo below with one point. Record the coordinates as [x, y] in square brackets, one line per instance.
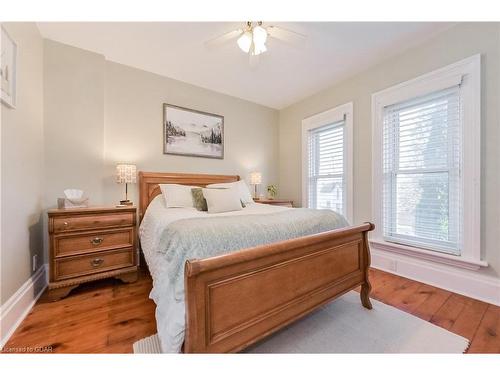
[241, 186]
[199, 201]
[222, 200]
[177, 195]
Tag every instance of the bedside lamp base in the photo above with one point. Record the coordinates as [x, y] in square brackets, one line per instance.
[126, 201]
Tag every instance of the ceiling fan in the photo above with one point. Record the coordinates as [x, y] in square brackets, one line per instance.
[252, 38]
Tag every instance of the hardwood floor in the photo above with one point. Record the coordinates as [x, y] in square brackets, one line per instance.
[105, 316]
[108, 316]
[475, 320]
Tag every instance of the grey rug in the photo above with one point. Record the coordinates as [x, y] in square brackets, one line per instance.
[344, 326]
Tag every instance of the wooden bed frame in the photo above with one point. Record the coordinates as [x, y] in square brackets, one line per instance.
[235, 300]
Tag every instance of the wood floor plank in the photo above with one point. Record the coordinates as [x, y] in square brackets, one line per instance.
[108, 316]
[453, 309]
[384, 284]
[467, 323]
[445, 317]
[435, 298]
[487, 337]
[405, 295]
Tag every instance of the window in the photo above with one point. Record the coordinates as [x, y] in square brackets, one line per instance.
[327, 144]
[326, 167]
[422, 171]
[426, 171]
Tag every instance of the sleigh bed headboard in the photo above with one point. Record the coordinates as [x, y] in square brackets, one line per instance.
[149, 184]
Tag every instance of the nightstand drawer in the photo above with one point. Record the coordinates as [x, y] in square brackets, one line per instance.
[83, 222]
[75, 244]
[89, 264]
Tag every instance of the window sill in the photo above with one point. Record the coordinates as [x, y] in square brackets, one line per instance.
[451, 260]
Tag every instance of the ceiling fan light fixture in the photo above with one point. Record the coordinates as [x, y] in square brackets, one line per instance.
[252, 38]
[257, 50]
[259, 35]
[245, 41]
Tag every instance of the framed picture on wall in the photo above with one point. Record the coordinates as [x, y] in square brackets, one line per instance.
[8, 69]
[189, 132]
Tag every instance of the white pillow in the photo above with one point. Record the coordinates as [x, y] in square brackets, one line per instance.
[222, 200]
[241, 187]
[177, 195]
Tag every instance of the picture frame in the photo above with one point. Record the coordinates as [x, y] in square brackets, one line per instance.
[8, 70]
[189, 132]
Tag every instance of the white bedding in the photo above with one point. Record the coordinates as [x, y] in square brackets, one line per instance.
[156, 218]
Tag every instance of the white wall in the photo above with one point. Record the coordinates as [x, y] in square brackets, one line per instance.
[459, 42]
[22, 164]
[73, 120]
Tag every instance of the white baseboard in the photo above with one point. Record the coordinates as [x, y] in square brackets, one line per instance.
[15, 309]
[469, 283]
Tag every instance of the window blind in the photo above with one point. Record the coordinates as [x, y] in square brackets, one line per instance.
[326, 183]
[422, 161]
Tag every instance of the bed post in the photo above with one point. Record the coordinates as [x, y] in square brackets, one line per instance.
[366, 287]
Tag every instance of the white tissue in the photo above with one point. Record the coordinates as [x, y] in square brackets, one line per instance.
[73, 193]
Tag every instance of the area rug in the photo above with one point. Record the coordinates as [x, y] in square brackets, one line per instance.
[344, 326]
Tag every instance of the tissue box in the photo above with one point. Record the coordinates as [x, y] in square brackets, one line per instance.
[72, 203]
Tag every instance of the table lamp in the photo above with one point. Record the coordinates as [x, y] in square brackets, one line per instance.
[255, 179]
[126, 174]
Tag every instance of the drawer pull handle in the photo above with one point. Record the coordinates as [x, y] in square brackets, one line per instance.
[65, 223]
[96, 241]
[96, 262]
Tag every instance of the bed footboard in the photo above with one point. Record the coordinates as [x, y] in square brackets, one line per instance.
[234, 300]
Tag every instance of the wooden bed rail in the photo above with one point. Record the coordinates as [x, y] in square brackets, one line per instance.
[234, 300]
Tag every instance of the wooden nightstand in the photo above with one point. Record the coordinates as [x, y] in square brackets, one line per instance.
[88, 244]
[276, 202]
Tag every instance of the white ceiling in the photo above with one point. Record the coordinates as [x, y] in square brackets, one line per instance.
[285, 74]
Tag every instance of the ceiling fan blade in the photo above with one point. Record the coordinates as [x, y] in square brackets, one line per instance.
[222, 39]
[285, 35]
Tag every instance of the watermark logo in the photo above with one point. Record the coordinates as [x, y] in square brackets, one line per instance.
[28, 349]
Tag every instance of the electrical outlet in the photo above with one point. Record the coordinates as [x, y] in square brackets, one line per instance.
[35, 258]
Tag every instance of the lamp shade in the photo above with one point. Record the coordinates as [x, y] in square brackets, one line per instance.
[126, 173]
[255, 178]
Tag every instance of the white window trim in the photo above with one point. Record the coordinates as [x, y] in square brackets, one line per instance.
[342, 112]
[466, 72]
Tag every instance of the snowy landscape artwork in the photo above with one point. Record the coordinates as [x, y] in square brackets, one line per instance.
[192, 133]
